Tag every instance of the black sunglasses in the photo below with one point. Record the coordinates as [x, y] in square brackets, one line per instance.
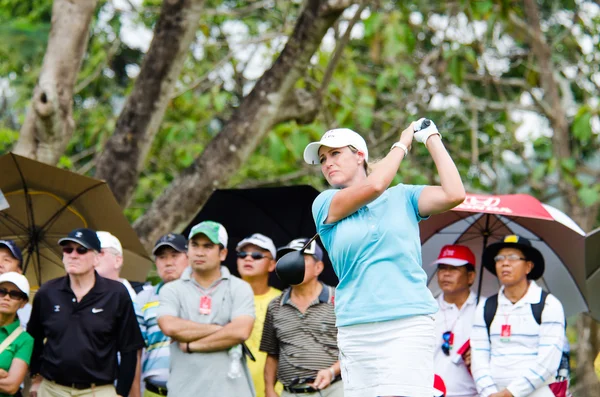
[80, 250]
[13, 294]
[446, 346]
[255, 255]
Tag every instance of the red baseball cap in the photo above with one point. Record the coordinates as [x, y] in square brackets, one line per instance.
[455, 255]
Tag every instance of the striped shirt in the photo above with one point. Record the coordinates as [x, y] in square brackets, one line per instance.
[529, 358]
[304, 343]
[155, 359]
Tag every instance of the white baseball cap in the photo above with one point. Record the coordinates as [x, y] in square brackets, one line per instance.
[107, 240]
[339, 137]
[260, 240]
[17, 279]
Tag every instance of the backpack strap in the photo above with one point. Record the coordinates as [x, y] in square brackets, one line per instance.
[538, 308]
[489, 311]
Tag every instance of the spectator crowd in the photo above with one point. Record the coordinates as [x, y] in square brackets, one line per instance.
[202, 331]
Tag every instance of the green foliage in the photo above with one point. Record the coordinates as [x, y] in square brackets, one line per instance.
[410, 62]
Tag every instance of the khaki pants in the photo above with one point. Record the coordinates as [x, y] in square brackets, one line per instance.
[51, 389]
[334, 390]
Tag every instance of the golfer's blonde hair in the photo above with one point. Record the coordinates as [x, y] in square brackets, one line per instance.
[367, 165]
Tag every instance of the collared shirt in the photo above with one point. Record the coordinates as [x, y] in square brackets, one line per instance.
[378, 245]
[452, 369]
[19, 348]
[206, 373]
[530, 357]
[130, 290]
[304, 343]
[155, 358]
[82, 338]
[24, 313]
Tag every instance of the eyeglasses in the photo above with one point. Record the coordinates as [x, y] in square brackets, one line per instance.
[80, 250]
[255, 255]
[447, 345]
[510, 258]
[16, 295]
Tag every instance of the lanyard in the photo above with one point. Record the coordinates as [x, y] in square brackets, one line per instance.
[209, 291]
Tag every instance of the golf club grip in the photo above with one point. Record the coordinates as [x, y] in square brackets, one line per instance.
[424, 124]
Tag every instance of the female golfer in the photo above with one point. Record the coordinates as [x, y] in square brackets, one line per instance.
[383, 306]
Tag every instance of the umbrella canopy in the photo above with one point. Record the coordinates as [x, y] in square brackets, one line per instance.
[592, 271]
[281, 213]
[46, 203]
[485, 219]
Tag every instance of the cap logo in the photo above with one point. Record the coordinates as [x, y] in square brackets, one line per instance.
[170, 237]
[511, 239]
[78, 234]
[448, 252]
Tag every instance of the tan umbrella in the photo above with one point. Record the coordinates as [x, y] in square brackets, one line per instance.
[46, 203]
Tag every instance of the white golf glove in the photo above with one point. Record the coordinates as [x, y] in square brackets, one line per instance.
[422, 133]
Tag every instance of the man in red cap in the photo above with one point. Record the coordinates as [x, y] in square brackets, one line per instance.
[452, 357]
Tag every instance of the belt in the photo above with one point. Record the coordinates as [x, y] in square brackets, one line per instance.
[80, 386]
[161, 391]
[300, 389]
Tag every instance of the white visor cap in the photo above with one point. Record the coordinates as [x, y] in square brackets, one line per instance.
[336, 138]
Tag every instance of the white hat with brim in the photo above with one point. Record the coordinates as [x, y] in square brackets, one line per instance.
[336, 138]
[17, 279]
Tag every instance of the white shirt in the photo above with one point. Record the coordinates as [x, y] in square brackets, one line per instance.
[130, 289]
[452, 369]
[526, 361]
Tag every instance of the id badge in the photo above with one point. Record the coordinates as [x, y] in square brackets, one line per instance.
[505, 333]
[205, 305]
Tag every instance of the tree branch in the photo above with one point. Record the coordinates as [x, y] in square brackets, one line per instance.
[98, 70]
[125, 152]
[49, 123]
[237, 140]
[339, 49]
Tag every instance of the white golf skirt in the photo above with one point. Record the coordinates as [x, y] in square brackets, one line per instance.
[390, 358]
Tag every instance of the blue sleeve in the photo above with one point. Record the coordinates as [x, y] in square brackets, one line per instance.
[320, 209]
[411, 195]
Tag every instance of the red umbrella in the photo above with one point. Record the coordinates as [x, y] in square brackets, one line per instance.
[484, 219]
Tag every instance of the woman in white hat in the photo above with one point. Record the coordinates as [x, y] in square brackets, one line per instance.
[383, 307]
[15, 344]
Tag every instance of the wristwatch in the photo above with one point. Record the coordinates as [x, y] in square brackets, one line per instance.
[401, 146]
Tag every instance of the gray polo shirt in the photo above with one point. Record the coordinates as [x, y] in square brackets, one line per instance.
[304, 343]
[205, 374]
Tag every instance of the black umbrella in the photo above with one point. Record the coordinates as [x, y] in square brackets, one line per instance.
[281, 213]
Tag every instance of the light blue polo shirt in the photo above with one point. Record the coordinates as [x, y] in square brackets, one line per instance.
[376, 254]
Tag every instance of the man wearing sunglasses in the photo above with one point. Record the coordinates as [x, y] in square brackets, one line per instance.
[79, 322]
[209, 313]
[11, 260]
[454, 319]
[255, 261]
[300, 336]
[514, 354]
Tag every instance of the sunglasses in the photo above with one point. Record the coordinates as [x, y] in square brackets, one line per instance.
[16, 295]
[447, 345]
[255, 255]
[80, 250]
[510, 258]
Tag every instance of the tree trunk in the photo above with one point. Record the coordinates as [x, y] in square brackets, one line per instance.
[587, 329]
[257, 113]
[123, 157]
[49, 123]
